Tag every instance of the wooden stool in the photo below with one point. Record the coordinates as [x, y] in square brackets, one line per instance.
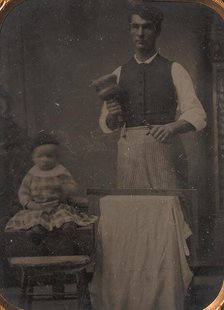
[36, 271]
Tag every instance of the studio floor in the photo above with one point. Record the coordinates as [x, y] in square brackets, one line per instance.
[205, 287]
[12, 295]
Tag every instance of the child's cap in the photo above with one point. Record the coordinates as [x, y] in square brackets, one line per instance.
[44, 137]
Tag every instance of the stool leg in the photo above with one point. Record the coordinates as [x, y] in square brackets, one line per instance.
[23, 289]
[82, 291]
[29, 295]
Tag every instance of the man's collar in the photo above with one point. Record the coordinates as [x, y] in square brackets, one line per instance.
[146, 61]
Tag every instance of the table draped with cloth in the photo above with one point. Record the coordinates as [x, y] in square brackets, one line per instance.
[141, 254]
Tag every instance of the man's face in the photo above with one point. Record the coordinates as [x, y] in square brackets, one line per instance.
[143, 33]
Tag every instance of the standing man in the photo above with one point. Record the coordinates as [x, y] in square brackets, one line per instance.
[141, 261]
[158, 102]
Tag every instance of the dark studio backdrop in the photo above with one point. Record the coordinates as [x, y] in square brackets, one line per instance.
[51, 50]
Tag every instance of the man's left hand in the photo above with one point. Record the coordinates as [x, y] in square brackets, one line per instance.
[162, 132]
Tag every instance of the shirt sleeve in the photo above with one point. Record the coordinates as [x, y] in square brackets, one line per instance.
[24, 190]
[104, 111]
[189, 107]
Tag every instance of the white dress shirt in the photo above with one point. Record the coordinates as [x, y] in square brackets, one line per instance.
[189, 108]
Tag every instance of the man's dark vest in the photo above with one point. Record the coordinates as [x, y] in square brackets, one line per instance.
[149, 95]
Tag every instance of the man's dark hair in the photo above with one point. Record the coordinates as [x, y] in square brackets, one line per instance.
[148, 12]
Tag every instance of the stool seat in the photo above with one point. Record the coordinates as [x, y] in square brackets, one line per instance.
[17, 243]
[66, 262]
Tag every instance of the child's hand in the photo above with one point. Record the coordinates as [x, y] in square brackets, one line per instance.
[80, 200]
[33, 206]
[50, 205]
[69, 190]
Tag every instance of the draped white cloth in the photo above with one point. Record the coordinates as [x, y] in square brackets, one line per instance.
[141, 254]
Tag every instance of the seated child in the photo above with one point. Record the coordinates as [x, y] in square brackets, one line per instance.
[44, 195]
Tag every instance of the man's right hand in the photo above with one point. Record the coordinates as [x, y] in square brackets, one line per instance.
[114, 118]
[113, 107]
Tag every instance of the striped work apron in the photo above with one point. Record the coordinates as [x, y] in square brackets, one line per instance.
[144, 162]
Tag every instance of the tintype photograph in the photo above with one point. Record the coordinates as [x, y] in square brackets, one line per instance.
[111, 155]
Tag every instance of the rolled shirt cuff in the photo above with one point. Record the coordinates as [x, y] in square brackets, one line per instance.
[199, 123]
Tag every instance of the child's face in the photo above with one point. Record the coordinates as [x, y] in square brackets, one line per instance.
[46, 156]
